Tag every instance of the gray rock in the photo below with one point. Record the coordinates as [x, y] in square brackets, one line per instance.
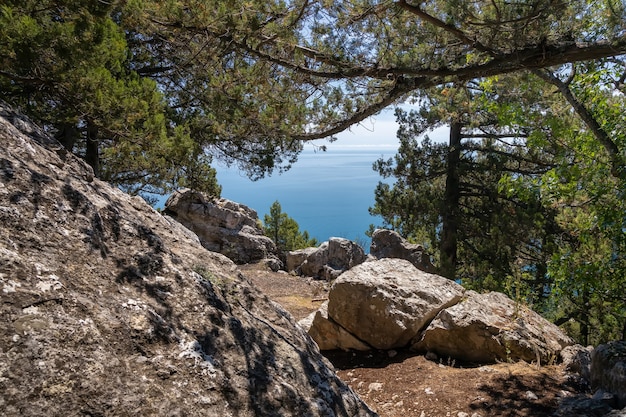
[110, 309]
[608, 369]
[386, 303]
[327, 261]
[223, 226]
[582, 406]
[295, 258]
[577, 360]
[389, 244]
[329, 335]
[491, 327]
[617, 413]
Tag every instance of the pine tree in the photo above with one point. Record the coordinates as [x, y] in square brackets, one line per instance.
[66, 64]
[285, 231]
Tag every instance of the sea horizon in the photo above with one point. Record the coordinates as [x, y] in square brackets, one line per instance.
[327, 193]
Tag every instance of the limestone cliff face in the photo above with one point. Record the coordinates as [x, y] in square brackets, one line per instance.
[110, 309]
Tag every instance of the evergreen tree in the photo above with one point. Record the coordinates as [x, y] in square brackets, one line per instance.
[250, 81]
[449, 195]
[292, 55]
[66, 64]
[537, 209]
[285, 231]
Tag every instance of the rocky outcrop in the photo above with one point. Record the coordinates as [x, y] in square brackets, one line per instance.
[389, 244]
[385, 303]
[110, 309]
[327, 261]
[389, 303]
[223, 226]
[605, 368]
[489, 327]
[608, 370]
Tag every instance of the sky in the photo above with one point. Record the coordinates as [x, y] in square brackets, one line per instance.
[376, 135]
[376, 132]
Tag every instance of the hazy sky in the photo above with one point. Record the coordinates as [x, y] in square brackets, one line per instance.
[376, 132]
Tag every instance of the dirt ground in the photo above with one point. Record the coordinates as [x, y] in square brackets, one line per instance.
[403, 384]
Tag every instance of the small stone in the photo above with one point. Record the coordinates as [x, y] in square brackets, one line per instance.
[605, 397]
[531, 396]
[375, 386]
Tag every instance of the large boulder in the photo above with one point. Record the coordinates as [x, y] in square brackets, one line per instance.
[491, 327]
[389, 244]
[223, 226]
[295, 258]
[577, 360]
[608, 370]
[385, 303]
[108, 308]
[327, 261]
[329, 335]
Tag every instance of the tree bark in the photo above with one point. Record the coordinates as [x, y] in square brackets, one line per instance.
[450, 209]
[92, 152]
[584, 318]
[68, 136]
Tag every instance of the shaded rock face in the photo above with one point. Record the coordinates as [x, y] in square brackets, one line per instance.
[108, 308]
[488, 327]
[608, 370]
[389, 244]
[327, 261]
[584, 406]
[577, 360]
[223, 226]
[295, 258]
[389, 303]
[329, 335]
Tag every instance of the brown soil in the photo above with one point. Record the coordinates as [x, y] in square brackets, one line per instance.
[404, 384]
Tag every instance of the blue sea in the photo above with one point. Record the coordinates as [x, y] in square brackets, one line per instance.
[327, 193]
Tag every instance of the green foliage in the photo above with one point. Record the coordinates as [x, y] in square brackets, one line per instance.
[541, 195]
[285, 231]
[162, 87]
[528, 198]
[489, 231]
[66, 64]
[586, 188]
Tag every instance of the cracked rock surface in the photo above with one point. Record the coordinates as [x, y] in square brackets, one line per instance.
[108, 308]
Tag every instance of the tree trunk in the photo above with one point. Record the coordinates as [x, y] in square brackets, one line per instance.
[92, 155]
[68, 136]
[450, 210]
[584, 318]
